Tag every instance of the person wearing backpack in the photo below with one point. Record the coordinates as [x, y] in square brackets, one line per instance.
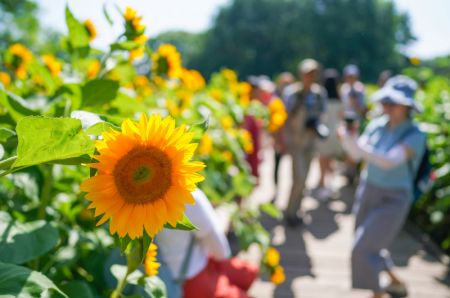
[393, 148]
[305, 103]
[197, 264]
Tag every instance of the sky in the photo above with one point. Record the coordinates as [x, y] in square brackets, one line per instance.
[430, 19]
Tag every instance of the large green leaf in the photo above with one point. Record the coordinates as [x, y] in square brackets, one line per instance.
[98, 92]
[78, 35]
[21, 282]
[16, 106]
[44, 140]
[22, 242]
[78, 289]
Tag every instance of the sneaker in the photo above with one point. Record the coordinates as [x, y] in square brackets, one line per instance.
[396, 290]
[294, 221]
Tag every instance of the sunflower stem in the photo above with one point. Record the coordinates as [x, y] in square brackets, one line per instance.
[121, 285]
[134, 254]
[46, 190]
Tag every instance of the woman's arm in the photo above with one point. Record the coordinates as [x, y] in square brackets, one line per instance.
[358, 149]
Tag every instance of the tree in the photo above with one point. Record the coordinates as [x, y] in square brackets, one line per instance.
[19, 22]
[270, 36]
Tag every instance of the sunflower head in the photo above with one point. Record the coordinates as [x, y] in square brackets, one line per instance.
[145, 176]
[278, 115]
[93, 69]
[150, 263]
[5, 78]
[278, 276]
[53, 65]
[167, 61]
[272, 257]
[91, 30]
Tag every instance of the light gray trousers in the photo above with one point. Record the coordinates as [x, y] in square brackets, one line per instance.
[380, 214]
[301, 161]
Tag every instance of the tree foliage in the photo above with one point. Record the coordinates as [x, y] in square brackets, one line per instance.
[270, 36]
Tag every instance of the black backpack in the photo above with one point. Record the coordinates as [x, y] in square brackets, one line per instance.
[423, 178]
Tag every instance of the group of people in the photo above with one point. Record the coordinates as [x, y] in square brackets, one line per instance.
[323, 120]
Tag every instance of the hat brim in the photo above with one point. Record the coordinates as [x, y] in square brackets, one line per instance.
[394, 96]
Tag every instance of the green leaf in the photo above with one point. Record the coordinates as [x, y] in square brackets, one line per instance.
[5, 134]
[98, 92]
[78, 35]
[154, 286]
[59, 139]
[78, 288]
[107, 16]
[271, 210]
[119, 272]
[123, 243]
[184, 224]
[146, 241]
[22, 242]
[99, 128]
[17, 281]
[125, 45]
[16, 106]
[199, 129]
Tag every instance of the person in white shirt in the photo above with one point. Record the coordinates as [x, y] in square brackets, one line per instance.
[210, 272]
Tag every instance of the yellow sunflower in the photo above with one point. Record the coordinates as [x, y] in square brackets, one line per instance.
[145, 176]
[278, 276]
[278, 115]
[91, 30]
[167, 61]
[150, 264]
[5, 78]
[53, 65]
[272, 257]
[93, 69]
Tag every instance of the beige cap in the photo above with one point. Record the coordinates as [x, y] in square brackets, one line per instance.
[308, 65]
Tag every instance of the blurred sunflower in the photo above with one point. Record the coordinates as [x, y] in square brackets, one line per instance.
[272, 257]
[145, 176]
[90, 28]
[150, 263]
[278, 114]
[52, 64]
[247, 142]
[192, 79]
[278, 276]
[93, 69]
[21, 57]
[167, 61]
[5, 79]
[133, 25]
[206, 145]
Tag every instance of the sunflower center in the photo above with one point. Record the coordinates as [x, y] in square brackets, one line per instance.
[143, 175]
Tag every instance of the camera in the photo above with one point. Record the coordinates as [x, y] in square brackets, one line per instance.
[320, 129]
[350, 119]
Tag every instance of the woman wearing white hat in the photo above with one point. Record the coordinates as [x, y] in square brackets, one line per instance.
[392, 146]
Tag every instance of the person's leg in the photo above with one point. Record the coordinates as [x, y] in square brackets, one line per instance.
[278, 156]
[376, 232]
[323, 164]
[301, 161]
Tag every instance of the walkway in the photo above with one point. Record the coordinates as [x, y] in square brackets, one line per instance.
[316, 257]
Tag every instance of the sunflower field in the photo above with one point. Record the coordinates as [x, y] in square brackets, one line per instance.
[99, 151]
